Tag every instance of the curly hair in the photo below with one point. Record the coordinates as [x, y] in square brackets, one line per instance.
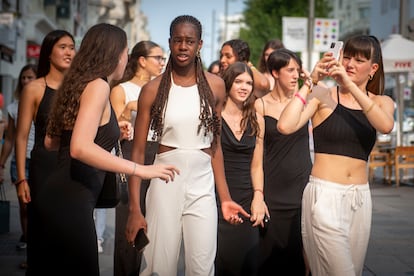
[98, 57]
[240, 49]
[249, 111]
[208, 117]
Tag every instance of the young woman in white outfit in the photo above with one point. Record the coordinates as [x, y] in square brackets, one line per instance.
[183, 107]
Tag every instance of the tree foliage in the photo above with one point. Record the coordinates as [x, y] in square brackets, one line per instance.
[263, 20]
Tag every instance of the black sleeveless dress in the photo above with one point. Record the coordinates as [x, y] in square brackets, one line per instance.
[42, 163]
[287, 166]
[66, 205]
[237, 248]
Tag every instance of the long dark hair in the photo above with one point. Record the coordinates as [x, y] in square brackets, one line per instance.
[141, 49]
[271, 44]
[19, 87]
[249, 111]
[98, 56]
[208, 117]
[369, 47]
[48, 43]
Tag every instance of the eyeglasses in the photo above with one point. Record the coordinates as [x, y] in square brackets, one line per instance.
[159, 58]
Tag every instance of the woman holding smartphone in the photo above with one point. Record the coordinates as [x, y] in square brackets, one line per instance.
[336, 204]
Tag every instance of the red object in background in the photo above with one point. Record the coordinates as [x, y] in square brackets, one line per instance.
[1, 100]
[33, 51]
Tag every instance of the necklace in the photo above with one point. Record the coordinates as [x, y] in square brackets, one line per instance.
[142, 77]
[279, 100]
[184, 81]
[234, 122]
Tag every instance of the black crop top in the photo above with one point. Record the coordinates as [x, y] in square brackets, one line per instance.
[345, 132]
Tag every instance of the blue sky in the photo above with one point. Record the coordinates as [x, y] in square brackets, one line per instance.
[160, 13]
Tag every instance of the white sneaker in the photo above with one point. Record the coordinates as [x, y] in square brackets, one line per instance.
[100, 248]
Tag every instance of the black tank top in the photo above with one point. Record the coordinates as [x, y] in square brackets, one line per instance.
[345, 132]
[42, 117]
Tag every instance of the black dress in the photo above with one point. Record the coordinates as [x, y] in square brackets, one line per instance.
[287, 166]
[42, 163]
[237, 248]
[66, 205]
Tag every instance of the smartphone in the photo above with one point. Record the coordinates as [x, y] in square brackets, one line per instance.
[141, 240]
[335, 48]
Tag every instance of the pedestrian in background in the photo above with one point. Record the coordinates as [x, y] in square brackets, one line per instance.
[146, 61]
[268, 48]
[214, 67]
[56, 54]
[26, 75]
[238, 50]
[337, 206]
[287, 166]
[242, 145]
[183, 108]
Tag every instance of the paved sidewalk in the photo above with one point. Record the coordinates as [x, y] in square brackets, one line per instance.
[390, 251]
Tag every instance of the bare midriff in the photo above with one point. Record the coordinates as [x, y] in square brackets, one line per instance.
[340, 169]
[164, 148]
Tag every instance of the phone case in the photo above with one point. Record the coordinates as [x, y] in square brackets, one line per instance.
[335, 48]
[141, 240]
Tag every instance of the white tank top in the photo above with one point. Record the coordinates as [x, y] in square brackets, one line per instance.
[132, 92]
[181, 120]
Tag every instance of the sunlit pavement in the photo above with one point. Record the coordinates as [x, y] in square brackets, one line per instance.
[390, 251]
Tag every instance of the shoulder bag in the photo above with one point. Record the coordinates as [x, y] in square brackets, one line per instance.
[110, 194]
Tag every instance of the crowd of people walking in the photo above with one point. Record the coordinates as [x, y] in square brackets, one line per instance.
[218, 160]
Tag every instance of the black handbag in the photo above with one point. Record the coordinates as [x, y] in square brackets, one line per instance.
[110, 194]
[4, 211]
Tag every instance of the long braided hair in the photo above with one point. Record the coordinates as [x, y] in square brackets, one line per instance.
[208, 117]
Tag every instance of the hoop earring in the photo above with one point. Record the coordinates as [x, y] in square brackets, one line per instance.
[370, 77]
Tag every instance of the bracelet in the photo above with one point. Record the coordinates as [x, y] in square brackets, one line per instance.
[258, 190]
[369, 108]
[125, 117]
[300, 98]
[20, 181]
[310, 84]
[135, 166]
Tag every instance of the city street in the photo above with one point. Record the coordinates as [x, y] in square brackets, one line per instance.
[390, 251]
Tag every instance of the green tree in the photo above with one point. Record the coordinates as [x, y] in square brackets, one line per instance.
[263, 20]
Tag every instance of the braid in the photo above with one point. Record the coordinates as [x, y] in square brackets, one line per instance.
[158, 108]
[208, 117]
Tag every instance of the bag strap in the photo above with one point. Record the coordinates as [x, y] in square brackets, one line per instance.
[2, 192]
[118, 150]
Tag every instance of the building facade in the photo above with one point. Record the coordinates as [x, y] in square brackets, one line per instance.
[24, 24]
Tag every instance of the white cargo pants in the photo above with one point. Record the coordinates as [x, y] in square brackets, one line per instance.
[182, 210]
[336, 225]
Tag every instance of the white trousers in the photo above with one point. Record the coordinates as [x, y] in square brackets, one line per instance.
[182, 210]
[336, 225]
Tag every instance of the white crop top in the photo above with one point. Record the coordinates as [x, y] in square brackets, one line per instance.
[181, 120]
